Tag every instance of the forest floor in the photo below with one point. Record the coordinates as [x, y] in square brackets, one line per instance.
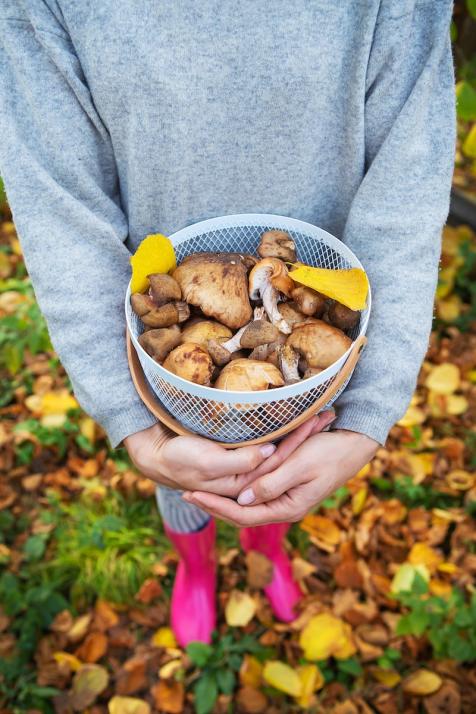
[387, 565]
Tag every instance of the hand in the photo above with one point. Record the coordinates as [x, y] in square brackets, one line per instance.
[303, 479]
[191, 462]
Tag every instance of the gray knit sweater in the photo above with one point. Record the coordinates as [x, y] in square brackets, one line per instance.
[121, 118]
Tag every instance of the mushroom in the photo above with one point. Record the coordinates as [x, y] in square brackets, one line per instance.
[142, 304]
[190, 361]
[277, 244]
[311, 372]
[201, 331]
[257, 332]
[247, 375]
[289, 311]
[163, 288]
[288, 359]
[217, 283]
[158, 343]
[267, 280]
[309, 301]
[343, 317]
[268, 353]
[169, 314]
[319, 343]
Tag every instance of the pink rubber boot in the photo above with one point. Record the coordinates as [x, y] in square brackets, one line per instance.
[193, 607]
[283, 592]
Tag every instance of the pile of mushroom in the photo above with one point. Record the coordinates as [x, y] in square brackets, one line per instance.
[239, 322]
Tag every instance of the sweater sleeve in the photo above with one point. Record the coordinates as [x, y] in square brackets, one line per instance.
[396, 218]
[57, 163]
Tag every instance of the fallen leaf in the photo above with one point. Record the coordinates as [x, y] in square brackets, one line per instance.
[68, 659]
[456, 404]
[423, 554]
[311, 680]
[388, 677]
[460, 480]
[132, 677]
[302, 569]
[322, 528]
[443, 378]
[93, 647]
[149, 590]
[282, 677]
[251, 672]
[169, 696]
[447, 700]
[240, 609]
[164, 637]
[155, 254]
[62, 622]
[251, 700]
[358, 500]
[79, 628]
[128, 705]
[421, 683]
[414, 416]
[169, 669]
[259, 569]
[89, 681]
[105, 616]
[325, 636]
[405, 575]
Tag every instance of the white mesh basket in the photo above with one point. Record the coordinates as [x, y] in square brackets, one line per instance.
[236, 417]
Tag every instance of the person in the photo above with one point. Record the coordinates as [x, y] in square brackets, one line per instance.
[121, 119]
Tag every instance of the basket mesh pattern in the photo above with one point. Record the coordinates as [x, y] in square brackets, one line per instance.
[231, 420]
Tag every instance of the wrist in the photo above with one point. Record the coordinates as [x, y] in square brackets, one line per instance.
[356, 439]
[154, 436]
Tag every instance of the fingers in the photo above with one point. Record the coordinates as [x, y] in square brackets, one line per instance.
[223, 462]
[291, 442]
[228, 510]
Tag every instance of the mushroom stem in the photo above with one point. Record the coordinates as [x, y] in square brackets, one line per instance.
[257, 332]
[288, 360]
[270, 298]
[268, 279]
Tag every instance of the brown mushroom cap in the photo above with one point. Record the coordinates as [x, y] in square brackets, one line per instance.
[277, 244]
[203, 330]
[291, 313]
[190, 361]
[166, 315]
[163, 288]
[217, 283]
[343, 317]
[309, 301]
[319, 343]
[142, 304]
[158, 343]
[247, 375]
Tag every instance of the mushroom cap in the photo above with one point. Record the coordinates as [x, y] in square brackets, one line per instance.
[217, 283]
[163, 288]
[270, 270]
[319, 343]
[190, 361]
[291, 313]
[158, 343]
[343, 317]
[168, 314]
[277, 244]
[309, 301]
[258, 332]
[142, 304]
[248, 375]
[203, 330]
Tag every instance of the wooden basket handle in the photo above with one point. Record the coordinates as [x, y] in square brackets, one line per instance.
[168, 420]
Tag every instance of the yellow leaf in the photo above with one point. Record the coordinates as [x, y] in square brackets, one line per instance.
[69, 659]
[456, 404]
[251, 671]
[412, 417]
[422, 682]
[387, 677]
[325, 636]
[405, 575]
[154, 255]
[322, 528]
[170, 668]
[349, 287]
[53, 421]
[423, 554]
[311, 680]
[88, 683]
[240, 609]
[446, 280]
[449, 568]
[128, 705]
[358, 501]
[469, 146]
[440, 587]
[164, 637]
[87, 427]
[283, 677]
[450, 309]
[460, 480]
[443, 379]
[57, 402]
[364, 471]
[472, 376]
[421, 465]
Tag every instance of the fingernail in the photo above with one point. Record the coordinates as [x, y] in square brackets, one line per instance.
[267, 450]
[247, 497]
